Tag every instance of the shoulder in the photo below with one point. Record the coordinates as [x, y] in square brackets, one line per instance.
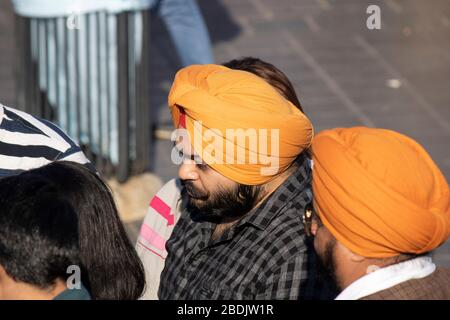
[27, 142]
[442, 272]
[162, 215]
[165, 203]
[21, 125]
[436, 286]
[280, 246]
[440, 278]
[286, 230]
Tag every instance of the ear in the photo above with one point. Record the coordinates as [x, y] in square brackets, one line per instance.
[352, 256]
[314, 227]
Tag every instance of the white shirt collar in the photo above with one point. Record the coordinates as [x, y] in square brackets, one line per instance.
[388, 277]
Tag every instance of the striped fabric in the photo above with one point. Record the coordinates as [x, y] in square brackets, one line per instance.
[156, 229]
[27, 142]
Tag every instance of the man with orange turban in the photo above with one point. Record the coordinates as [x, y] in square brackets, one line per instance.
[245, 174]
[381, 205]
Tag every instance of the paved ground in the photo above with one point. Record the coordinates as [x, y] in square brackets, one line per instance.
[7, 52]
[346, 75]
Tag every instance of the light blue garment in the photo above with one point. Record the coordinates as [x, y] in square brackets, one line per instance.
[95, 61]
[182, 18]
[188, 31]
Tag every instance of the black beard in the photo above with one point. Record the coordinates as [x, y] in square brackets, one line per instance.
[220, 206]
[328, 264]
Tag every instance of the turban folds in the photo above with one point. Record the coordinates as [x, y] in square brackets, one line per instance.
[379, 193]
[219, 100]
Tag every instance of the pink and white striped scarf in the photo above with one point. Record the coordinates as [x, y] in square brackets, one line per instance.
[162, 215]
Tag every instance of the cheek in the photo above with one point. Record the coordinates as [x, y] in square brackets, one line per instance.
[211, 180]
[321, 240]
[200, 185]
[203, 183]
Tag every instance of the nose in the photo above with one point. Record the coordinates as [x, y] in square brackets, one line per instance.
[188, 170]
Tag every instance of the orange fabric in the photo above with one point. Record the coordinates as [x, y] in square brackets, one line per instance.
[379, 192]
[222, 98]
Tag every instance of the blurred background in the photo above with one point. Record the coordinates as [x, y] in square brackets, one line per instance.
[395, 77]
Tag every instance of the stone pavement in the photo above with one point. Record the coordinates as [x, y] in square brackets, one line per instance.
[7, 52]
[345, 75]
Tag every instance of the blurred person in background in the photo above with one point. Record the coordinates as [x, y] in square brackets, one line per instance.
[77, 65]
[183, 20]
[80, 77]
[381, 205]
[188, 30]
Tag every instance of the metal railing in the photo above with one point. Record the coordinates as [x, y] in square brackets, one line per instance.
[92, 81]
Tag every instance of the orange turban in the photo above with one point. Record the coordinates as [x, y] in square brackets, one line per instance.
[230, 105]
[379, 192]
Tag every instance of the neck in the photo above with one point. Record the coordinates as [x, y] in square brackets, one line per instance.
[267, 190]
[23, 291]
[273, 185]
[368, 265]
[351, 275]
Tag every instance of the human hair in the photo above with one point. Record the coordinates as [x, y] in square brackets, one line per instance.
[274, 76]
[111, 268]
[38, 231]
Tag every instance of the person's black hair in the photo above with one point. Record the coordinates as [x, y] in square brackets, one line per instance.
[271, 74]
[38, 231]
[111, 268]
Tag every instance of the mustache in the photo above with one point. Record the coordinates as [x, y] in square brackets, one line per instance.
[192, 192]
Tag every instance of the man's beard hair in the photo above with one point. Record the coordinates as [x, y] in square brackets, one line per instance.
[222, 205]
[328, 263]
